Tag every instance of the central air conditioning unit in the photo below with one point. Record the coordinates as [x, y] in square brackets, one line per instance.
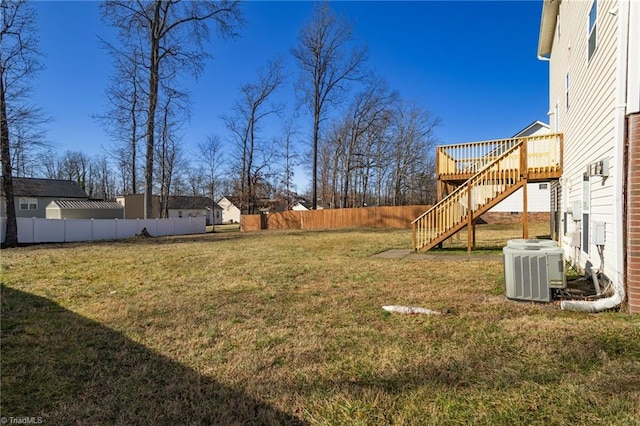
[532, 268]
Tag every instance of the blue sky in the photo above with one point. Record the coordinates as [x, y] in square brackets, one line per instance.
[473, 64]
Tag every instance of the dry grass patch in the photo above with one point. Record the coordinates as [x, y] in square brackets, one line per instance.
[286, 327]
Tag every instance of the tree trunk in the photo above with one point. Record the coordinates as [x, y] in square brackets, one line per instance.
[11, 235]
[151, 113]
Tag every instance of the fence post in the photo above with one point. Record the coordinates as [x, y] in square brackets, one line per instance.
[64, 230]
[91, 229]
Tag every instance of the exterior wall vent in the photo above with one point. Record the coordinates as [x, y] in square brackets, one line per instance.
[532, 268]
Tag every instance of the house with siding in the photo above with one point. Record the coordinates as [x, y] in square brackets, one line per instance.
[538, 194]
[32, 195]
[192, 206]
[230, 211]
[177, 207]
[593, 51]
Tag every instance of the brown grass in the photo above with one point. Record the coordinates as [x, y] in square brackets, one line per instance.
[287, 327]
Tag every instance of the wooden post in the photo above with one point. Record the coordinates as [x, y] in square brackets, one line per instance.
[440, 183]
[469, 220]
[473, 232]
[525, 215]
[413, 237]
[524, 173]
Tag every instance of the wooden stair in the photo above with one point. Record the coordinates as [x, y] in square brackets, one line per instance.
[489, 172]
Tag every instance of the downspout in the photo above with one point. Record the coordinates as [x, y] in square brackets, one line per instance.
[619, 152]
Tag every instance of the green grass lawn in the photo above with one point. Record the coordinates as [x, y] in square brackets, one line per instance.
[287, 327]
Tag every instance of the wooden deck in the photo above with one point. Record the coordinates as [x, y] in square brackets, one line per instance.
[474, 177]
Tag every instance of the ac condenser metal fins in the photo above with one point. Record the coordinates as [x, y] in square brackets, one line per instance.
[532, 268]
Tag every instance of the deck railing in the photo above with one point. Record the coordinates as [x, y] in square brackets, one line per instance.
[464, 160]
[502, 176]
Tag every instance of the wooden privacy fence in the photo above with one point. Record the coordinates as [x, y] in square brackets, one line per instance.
[365, 217]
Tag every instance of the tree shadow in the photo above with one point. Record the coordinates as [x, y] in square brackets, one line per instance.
[68, 369]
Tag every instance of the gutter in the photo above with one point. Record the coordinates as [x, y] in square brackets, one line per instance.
[548, 23]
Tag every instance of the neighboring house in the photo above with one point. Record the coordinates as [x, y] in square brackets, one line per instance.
[179, 206]
[230, 212]
[84, 209]
[304, 205]
[593, 49]
[538, 194]
[301, 206]
[32, 196]
[189, 206]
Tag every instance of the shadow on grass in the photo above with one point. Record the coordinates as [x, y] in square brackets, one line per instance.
[68, 369]
[463, 250]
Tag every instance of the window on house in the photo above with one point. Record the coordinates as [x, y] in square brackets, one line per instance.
[543, 186]
[28, 204]
[593, 15]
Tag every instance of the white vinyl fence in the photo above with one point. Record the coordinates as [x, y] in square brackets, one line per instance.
[37, 230]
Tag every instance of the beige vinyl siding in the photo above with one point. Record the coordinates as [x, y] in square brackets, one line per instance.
[589, 122]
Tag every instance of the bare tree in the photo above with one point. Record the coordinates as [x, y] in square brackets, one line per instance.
[290, 160]
[250, 110]
[212, 159]
[367, 112]
[171, 36]
[18, 65]
[169, 154]
[413, 128]
[75, 166]
[102, 178]
[125, 117]
[326, 66]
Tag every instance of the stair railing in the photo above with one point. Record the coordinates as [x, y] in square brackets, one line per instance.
[452, 212]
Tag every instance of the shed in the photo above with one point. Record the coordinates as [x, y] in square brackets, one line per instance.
[84, 209]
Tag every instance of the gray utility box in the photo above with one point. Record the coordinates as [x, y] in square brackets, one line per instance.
[532, 268]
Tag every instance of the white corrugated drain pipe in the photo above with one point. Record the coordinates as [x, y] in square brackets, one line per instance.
[599, 305]
[618, 296]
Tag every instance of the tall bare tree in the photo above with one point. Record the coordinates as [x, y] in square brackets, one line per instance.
[414, 139]
[19, 62]
[125, 116]
[168, 151]
[327, 63]
[250, 111]
[170, 35]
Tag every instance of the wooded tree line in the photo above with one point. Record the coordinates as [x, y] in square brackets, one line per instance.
[368, 146]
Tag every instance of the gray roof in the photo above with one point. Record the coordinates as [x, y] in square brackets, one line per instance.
[87, 204]
[190, 203]
[54, 188]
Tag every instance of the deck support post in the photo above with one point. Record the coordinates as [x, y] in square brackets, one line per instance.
[469, 221]
[524, 173]
[525, 213]
[414, 240]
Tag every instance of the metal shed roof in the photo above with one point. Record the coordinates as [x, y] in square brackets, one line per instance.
[87, 204]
